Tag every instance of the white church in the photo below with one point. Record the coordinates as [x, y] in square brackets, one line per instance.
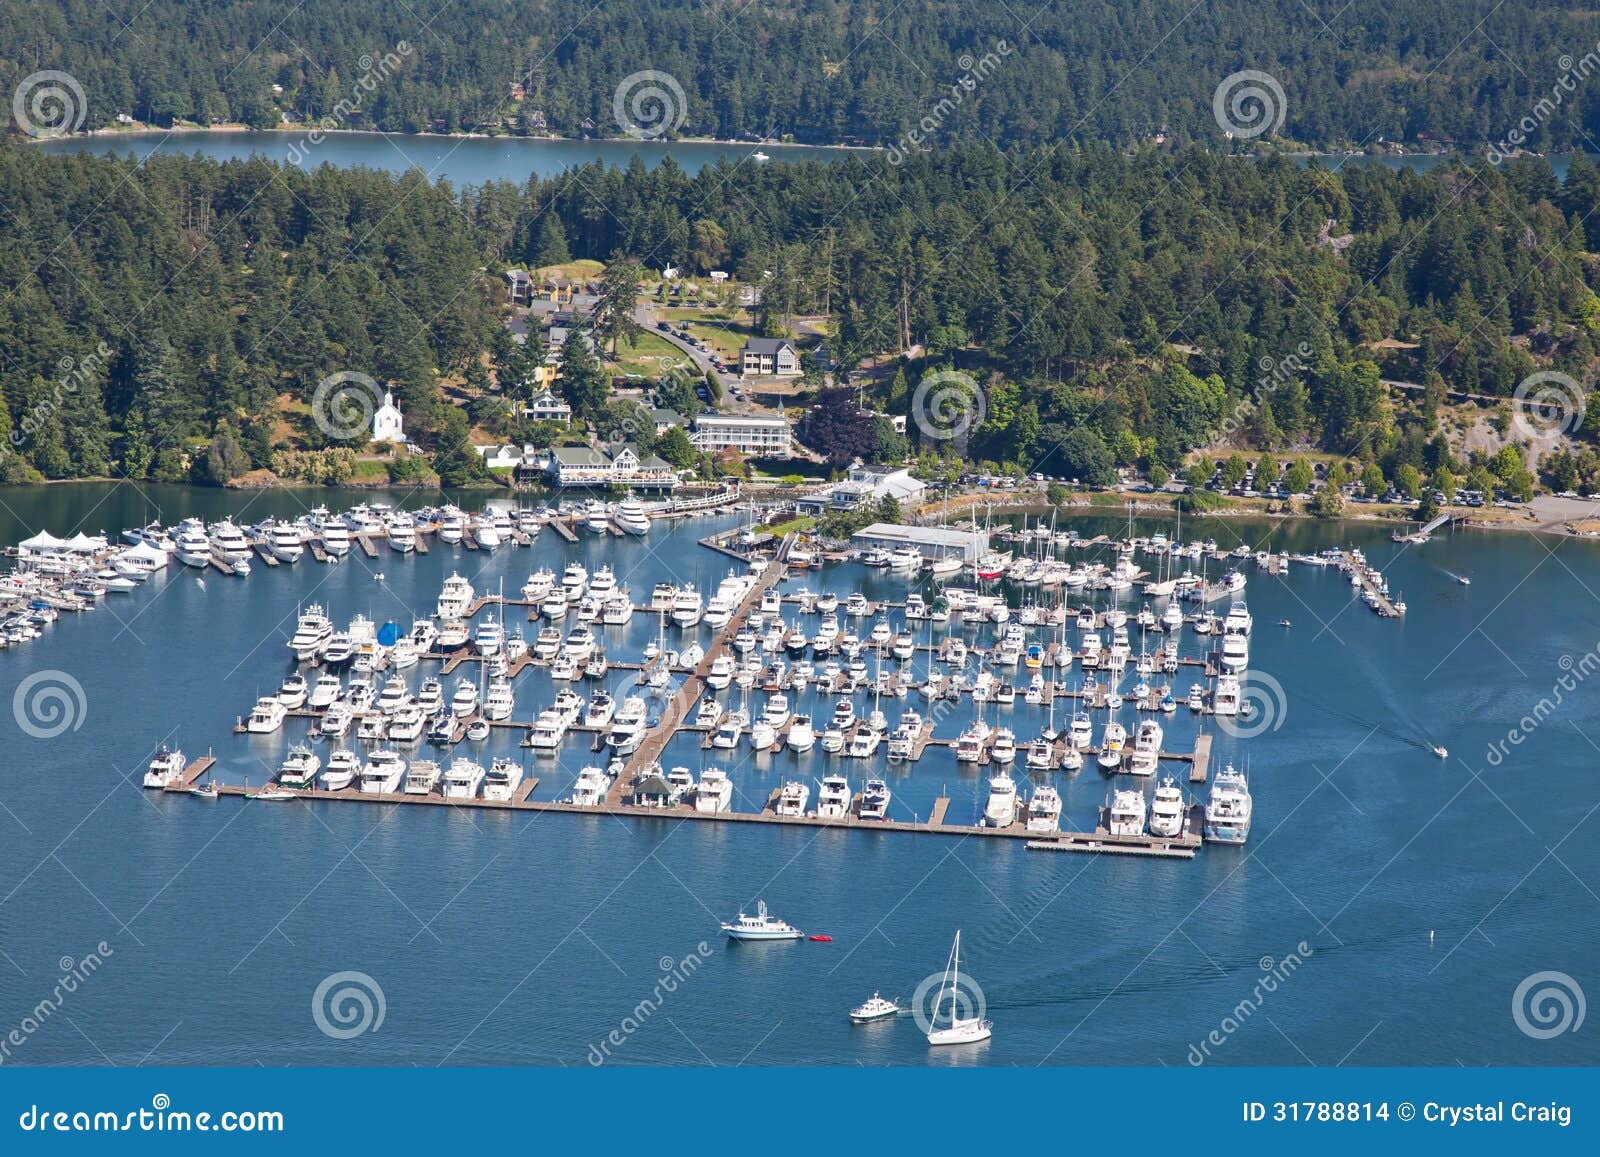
[387, 423]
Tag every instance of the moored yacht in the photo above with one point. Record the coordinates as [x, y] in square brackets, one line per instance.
[1125, 816]
[383, 774]
[166, 768]
[1167, 810]
[502, 779]
[1001, 809]
[714, 792]
[1228, 809]
[462, 780]
[1044, 810]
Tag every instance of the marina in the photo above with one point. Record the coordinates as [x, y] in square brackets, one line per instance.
[209, 646]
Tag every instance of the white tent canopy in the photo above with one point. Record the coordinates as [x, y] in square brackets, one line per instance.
[43, 541]
[81, 543]
[144, 552]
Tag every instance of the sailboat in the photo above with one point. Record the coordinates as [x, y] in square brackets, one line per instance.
[962, 1030]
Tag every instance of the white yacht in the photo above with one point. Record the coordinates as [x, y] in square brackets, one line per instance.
[299, 769]
[539, 585]
[1225, 699]
[601, 709]
[455, 598]
[574, 581]
[193, 547]
[228, 542]
[792, 798]
[166, 769]
[1003, 747]
[863, 743]
[452, 524]
[502, 780]
[335, 537]
[1044, 810]
[1228, 809]
[1125, 817]
[631, 518]
[833, 797]
[489, 638]
[343, 767]
[628, 727]
[401, 530]
[463, 779]
[875, 800]
[1001, 810]
[802, 736]
[687, 609]
[1167, 810]
[421, 777]
[336, 720]
[407, 724]
[591, 788]
[498, 701]
[383, 774]
[761, 927]
[548, 731]
[284, 542]
[1146, 748]
[294, 691]
[714, 793]
[465, 699]
[266, 716]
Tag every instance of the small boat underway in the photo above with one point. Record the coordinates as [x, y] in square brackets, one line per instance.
[761, 927]
[875, 1009]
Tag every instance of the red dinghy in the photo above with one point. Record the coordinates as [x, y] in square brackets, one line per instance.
[821, 939]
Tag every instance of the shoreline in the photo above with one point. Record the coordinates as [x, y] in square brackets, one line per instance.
[147, 131]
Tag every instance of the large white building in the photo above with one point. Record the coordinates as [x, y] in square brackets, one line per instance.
[762, 437]
[932, 541]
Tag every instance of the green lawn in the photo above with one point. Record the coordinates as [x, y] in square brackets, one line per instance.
[648, 355]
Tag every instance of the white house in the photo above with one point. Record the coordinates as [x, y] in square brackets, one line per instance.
[764, 437]
[769, 357]
[546, 407]
[387, 423]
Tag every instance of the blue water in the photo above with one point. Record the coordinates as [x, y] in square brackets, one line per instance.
[463, 160]
[528, 938]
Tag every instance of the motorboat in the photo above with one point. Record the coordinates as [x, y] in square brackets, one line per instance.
[498, 700]
[1003, 746]
[761, 926]
[802, 736]
[548, 730]
[1044, 810]
[601, 709]
[294, 691]
[628, 727]
[336, 720]
[1228, 808]
[875, 798]
[383, 773]
[1225, 699]
[875, 1009]
[1146, 748]
[792, 799]
[299, 769]
[631, 518]
[1112, 740]
[311, 633]
[1001, 809]
[591, 787]
[462, 780]
[266, 716]
[166, 768]
[455, 598]
[1126, 814]
[342, 768]
[407, 723]
[422, 777]
[714, 793]
[502, 779]
[464, 701]
[833, 797]
[489, 638]
[1167, 810]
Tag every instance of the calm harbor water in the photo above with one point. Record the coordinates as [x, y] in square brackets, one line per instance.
[504, 938]
[463, 160]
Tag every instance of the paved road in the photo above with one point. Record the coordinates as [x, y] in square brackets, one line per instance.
[646, 317]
